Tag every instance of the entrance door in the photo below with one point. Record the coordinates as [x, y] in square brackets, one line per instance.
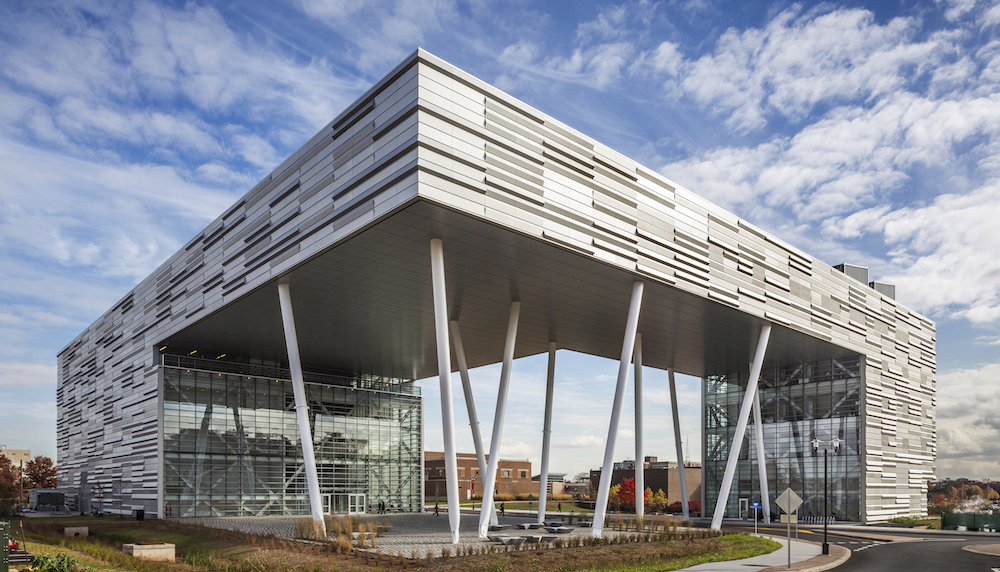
[327, 504]
[744, 509]
[356, 503]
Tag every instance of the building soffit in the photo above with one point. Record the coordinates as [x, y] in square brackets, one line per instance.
[365, 305]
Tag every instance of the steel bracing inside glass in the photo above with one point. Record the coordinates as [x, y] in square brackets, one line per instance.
[232, 447]
[799, 403]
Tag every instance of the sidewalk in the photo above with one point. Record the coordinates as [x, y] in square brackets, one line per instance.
[806, 557]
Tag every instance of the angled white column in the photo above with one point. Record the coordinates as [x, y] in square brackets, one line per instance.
[470, 405]
[607, 469]
[640, 472]
[490, 483]
[444, 381]
[677, 444]
[741, 428]
[758, 430]
[543, 480]
[301, 409]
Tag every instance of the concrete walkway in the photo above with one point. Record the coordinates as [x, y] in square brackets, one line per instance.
[805, 557]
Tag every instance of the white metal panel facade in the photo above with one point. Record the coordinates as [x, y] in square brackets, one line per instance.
[430, 132]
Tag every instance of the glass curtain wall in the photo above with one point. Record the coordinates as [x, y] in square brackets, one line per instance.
[232, 448]
[799, 403]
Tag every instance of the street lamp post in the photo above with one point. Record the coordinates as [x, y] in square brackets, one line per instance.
[472, 486]
[826, 483]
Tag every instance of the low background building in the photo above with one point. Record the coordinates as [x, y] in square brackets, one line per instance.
[657, 475]
[513, 477]
[16, 456]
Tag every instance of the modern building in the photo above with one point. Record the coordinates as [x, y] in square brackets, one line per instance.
[513, 477]
[438, 213]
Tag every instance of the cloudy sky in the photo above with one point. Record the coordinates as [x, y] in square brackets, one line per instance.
[866, 132]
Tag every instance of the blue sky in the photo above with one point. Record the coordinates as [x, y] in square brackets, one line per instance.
[866, 132]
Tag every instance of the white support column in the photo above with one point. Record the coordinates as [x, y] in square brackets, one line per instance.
[301, 409]
[741, 428]
[543, 480]
[470, 405]
[607, 469]
[444, 381]
[758, 430]
[678, 445]
[640, 472]
[490, 483]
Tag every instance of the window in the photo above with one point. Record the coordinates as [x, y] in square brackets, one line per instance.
[461, 471]
[524, 474]
[506, 473]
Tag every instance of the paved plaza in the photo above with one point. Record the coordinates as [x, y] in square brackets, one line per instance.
[425, 534]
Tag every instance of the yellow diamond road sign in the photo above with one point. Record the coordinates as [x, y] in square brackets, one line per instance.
[788, 501]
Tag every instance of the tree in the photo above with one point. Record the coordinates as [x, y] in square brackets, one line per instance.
[975, 491]
[9, 474]
[658, 502]
[613, 494]
[993, 494]
[626, 493]
[41, 473]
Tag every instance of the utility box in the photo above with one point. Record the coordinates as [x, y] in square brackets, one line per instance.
[158, 551]
[5, 552]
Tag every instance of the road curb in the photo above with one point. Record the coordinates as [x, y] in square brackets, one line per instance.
[838, 555]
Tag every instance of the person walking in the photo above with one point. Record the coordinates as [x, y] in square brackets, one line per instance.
[435, 509]
[502, 508]
[559, 507]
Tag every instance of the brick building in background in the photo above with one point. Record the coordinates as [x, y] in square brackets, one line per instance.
[513, 477]
[657, 475]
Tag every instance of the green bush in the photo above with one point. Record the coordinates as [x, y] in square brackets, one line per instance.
[57, 563]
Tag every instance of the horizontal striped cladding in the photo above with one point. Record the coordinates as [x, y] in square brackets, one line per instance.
[525, 170]
[428, 128]
[359, 167]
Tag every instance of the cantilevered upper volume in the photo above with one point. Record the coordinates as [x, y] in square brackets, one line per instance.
[527, 209]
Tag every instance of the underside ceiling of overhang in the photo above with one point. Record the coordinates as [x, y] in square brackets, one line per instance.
[365, 305]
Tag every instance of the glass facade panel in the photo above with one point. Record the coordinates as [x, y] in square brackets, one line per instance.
[799, 403]
[231, 445]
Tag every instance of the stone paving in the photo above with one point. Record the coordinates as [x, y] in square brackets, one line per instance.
[419, 534]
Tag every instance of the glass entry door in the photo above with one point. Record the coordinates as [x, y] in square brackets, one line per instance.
[327, 504]
[744, 509]
[356, 503]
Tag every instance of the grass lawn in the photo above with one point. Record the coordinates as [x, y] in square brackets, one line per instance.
[641, 557]
[211, 550]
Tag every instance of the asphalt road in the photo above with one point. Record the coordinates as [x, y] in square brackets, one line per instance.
[921, 550]
[852, 541]
[945, 555]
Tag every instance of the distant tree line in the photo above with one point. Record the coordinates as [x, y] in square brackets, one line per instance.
[39, 473]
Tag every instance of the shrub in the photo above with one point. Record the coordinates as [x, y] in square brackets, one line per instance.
[503, 497]
[57, 563]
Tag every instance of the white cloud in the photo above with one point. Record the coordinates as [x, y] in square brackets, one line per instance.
[969, 423]
[160, 77]
[581, 442]
[801, 60]
[384, 31]
[25, 376]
